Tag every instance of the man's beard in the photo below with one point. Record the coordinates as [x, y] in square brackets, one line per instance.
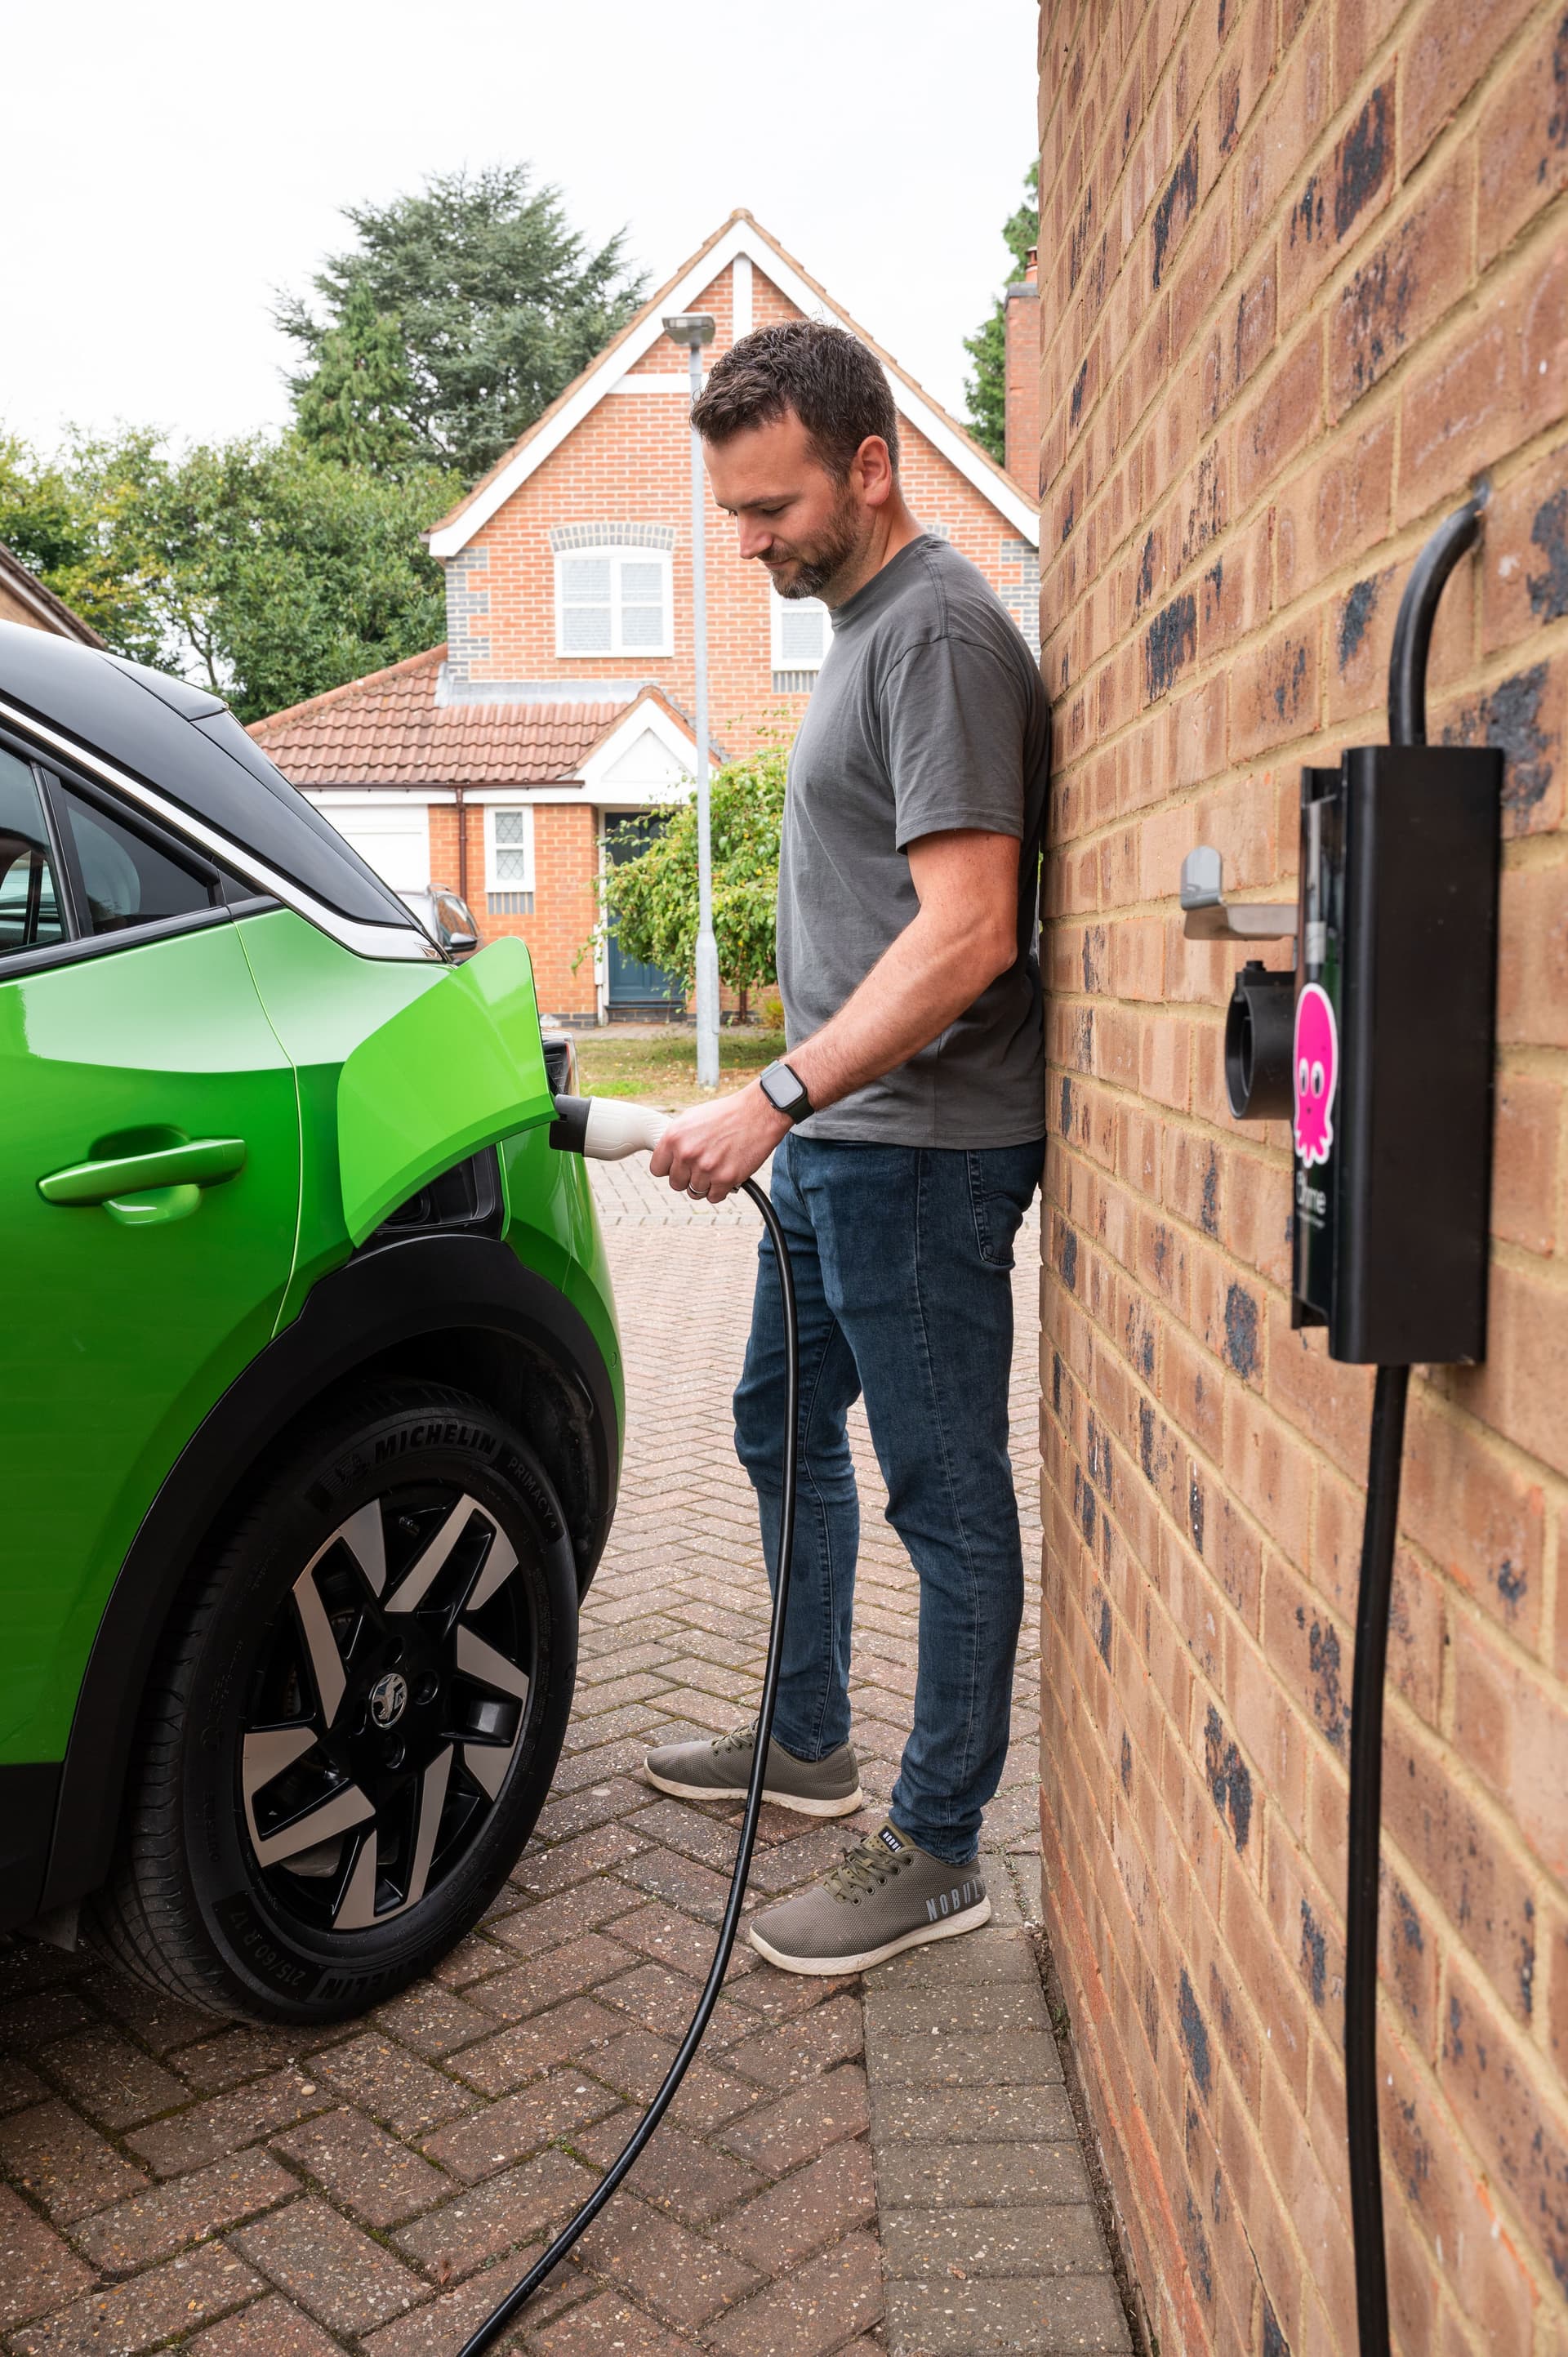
[843, 541]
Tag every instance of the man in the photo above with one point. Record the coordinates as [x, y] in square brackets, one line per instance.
[906, 1125]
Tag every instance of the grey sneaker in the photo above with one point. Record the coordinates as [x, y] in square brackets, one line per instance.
[887, 1895]
[720, 1771]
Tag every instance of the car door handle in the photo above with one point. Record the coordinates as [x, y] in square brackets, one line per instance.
[201, 1162]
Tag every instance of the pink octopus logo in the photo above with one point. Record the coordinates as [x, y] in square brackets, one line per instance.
[1316, 1072]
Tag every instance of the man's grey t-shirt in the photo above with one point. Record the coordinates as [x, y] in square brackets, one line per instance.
[928, 714]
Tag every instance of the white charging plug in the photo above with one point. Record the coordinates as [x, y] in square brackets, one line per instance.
[606, 1129]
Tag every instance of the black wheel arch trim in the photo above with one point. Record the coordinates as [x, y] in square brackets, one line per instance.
[471, 1293]
[29, 1792]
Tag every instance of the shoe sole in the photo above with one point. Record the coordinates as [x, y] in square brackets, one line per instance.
[829, 1967]
[802, 1807]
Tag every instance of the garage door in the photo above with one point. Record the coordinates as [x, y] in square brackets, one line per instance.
[394, 837]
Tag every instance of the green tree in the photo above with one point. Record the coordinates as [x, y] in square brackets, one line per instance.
[74, 521]
[291, 572]
[651, 901]
[986, 390]
[498, 303]
[257, 567]
[357, 404]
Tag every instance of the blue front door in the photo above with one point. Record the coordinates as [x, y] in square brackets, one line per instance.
[636, 990]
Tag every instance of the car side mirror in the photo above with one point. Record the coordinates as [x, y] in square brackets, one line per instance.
[462, 941]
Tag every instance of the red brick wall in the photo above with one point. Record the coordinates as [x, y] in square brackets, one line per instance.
[1022, 386]
[1303, 269]
[565, 898]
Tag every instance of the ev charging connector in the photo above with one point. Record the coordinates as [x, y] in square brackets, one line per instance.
[605, 1129]
[1377, 1046]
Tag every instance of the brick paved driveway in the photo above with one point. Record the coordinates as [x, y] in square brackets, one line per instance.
[172, 2182]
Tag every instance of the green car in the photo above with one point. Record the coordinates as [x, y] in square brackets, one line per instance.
[311, 1402]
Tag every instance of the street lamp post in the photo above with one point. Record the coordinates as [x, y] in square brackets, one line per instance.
[694, 329]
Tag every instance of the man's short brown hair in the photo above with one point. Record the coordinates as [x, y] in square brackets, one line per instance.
[826, 376]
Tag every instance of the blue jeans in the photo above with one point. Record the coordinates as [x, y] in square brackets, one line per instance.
[901, 1257]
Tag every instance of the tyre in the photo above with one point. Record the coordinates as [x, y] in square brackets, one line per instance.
[353, 1728]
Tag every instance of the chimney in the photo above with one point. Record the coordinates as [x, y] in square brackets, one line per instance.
[1022, 434]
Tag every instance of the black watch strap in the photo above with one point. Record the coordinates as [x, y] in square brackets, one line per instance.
[786, 1091]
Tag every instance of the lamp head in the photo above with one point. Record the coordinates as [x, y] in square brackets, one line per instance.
[692, 329]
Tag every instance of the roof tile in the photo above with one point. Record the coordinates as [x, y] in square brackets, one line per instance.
[388, 730]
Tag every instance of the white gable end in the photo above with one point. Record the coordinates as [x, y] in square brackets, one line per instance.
[741, 242]
[648, 766]
[647, 758]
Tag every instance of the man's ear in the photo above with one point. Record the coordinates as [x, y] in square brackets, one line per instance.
[873, 465]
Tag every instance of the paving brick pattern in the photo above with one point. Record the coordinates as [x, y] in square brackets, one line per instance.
[243, 2193]
[989, 2238]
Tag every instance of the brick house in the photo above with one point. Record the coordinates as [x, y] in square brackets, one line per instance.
[1302, 277]
[560, 706]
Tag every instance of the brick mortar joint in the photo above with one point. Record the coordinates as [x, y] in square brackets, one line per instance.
[1476, 1793]
[1326, 1757]
[1549, 1271]
[1103, 2078]
[1386, 403]
[1449, 141]
[1425, 1392]
[1400, 546]
[1390, 2025]
[1392, 2022]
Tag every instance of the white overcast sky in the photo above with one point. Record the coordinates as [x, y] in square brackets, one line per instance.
[167, 166]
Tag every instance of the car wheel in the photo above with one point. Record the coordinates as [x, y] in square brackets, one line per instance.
[355, 1726]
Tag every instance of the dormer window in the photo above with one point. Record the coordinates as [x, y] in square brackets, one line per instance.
[613, 601]
[801, 633]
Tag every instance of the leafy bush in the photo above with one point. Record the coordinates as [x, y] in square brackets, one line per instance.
[649, 902]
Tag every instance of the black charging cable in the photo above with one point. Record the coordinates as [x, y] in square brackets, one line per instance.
[1379, 1534]
[506, 2311]
[1407, 725]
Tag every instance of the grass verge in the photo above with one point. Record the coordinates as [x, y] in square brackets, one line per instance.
[659, 1067]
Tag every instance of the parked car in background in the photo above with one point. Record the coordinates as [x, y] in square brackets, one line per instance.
[310, 1396]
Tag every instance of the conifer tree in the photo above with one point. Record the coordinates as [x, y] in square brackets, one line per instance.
[357, 405]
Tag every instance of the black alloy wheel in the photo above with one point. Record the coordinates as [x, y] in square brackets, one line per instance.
[359, 1720]
[387, 1709]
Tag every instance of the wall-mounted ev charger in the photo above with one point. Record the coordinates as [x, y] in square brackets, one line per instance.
[1377, 1046]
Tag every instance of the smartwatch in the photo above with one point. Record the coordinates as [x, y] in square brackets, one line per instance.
[785, 1092]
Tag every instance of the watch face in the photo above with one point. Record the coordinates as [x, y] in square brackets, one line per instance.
[783, 1088]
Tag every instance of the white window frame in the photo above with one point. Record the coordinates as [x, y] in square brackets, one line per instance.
[618, 552]
[493, 882]
[778, 607]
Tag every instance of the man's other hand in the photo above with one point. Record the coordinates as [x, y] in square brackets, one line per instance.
[710, 1150]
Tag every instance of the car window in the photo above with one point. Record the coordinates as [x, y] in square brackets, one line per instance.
[190, 748]
[31, 916]
[127, 880]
